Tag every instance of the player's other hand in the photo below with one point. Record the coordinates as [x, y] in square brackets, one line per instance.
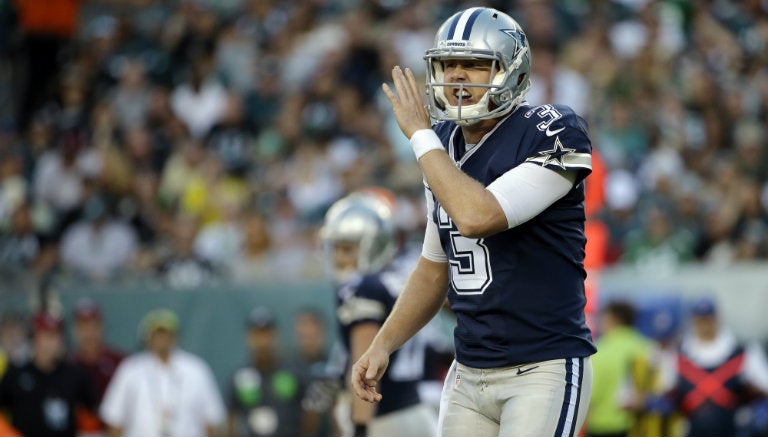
[367, 372]
[407, 102]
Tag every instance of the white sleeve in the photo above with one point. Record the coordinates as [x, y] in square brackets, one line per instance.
[528, 189]
[431, 249]
[114, 406]
[214, 408]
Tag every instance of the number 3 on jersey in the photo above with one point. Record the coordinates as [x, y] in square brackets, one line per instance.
[468, 260]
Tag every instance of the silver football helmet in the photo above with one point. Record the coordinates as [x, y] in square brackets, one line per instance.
[364, 219]
[479, 34]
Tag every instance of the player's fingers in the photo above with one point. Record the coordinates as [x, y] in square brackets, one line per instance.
[358, 375]
[370, 374]
[404, 87]
[358, 384]
[413, 85]
[390, 95]
[369, 392]
[409, 82]
[370, 395]
[364, 387]
[397, 80]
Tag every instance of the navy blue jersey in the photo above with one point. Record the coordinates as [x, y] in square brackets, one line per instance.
[370, 298]
[519, 294]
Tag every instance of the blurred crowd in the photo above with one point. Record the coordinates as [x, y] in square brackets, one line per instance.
[201, 138]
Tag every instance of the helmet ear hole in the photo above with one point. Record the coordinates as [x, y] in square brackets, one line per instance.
[520, 78]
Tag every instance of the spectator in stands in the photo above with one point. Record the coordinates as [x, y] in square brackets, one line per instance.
[185, 166]
[129, 99]
[162, 391]
[99, 246]
[61, 173]
[201, 101]
[230, 139]
[181, 267]
[222, 242]
[20, 247]
[256, 259]
[44, 394]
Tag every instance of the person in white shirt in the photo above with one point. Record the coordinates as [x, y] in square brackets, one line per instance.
[162, 391]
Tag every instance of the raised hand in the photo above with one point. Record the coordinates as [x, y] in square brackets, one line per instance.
[407, 103]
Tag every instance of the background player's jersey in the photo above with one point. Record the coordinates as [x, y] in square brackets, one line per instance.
[370, 298]
[519, 295]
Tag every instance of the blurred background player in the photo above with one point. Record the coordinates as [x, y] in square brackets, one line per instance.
[360, 233]
[44, 394]
[163, 391]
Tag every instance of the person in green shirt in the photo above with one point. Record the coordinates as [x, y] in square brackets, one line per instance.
[622, 353]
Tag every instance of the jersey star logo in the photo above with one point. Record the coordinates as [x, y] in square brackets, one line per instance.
[556, 155]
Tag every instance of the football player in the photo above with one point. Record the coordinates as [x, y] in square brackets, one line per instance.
[359, 232]
[505, 237]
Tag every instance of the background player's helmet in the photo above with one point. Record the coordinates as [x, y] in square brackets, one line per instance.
[365, 219]
[481, 34]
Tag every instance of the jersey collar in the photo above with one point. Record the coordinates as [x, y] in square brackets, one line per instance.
[455, 138]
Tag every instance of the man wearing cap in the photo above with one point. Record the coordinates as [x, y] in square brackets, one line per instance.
[714, 375]
[94, 356]
[265, 396]
[99, 359]
[162, 391]
[43, 395]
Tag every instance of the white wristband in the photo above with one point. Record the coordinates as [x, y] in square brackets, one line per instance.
[424, 140]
